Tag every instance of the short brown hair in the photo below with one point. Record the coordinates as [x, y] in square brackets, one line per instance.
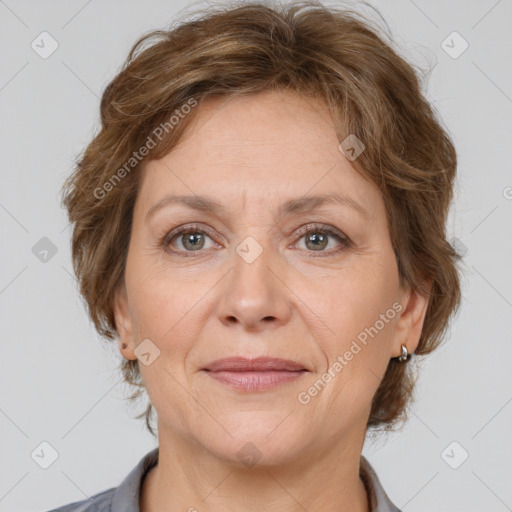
[315, 51]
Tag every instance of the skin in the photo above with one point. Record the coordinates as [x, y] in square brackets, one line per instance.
[296, 300]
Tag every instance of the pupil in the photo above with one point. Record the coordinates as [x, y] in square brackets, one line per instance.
[315, 238]
[191, 239]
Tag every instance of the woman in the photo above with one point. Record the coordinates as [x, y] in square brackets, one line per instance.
[259, 225]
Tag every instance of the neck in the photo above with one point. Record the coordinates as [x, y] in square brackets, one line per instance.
[189, 478]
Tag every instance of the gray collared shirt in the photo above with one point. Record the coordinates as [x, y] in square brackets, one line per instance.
[125, 497]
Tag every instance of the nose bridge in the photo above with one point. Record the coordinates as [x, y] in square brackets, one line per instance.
[251, 260]
[253, 294]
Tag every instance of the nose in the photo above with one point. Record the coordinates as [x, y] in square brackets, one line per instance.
[254, 293]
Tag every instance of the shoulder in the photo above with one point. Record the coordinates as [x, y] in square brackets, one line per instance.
[101, 502]
[123, 498]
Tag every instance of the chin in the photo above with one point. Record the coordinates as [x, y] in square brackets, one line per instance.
[257, 441]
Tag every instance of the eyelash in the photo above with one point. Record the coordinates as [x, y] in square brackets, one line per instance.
[305, 230]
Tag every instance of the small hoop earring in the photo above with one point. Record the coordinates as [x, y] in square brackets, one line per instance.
[405, 355]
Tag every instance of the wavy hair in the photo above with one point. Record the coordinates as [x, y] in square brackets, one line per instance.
[316, 51]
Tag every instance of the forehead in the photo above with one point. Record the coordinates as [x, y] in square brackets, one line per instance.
[260, 146]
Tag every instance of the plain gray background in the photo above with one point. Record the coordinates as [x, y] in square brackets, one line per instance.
[59, 383]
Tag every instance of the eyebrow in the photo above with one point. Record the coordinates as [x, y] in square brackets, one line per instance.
[300, 205]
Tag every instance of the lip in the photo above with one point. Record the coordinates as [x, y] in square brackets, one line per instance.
[252, 375]
[259, 364]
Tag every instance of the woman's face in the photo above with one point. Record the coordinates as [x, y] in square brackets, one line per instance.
[315, 283]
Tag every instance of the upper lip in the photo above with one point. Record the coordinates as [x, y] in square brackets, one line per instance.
[241, 364]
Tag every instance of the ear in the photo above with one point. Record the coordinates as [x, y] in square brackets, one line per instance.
[410, 324]
[124, 325]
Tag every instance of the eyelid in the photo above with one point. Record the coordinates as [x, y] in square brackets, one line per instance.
[186, 228]
[344, 241]
[321, 227]
[331, 231]
[301, 231]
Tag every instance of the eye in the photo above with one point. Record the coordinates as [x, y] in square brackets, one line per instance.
[187, 239]
[317, 238]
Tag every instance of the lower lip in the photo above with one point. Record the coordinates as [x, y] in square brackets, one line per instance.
[255, 381]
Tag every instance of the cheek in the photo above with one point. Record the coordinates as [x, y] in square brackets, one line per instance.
[157, 298]
[356, 307]
[356, 298]
[170, 309]
[361, 317]
[155, 309]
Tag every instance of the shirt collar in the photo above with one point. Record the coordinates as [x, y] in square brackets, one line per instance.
[127, 494]
[379, 500]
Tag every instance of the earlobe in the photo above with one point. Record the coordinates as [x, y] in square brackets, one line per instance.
[410, 323]
[123, 324]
